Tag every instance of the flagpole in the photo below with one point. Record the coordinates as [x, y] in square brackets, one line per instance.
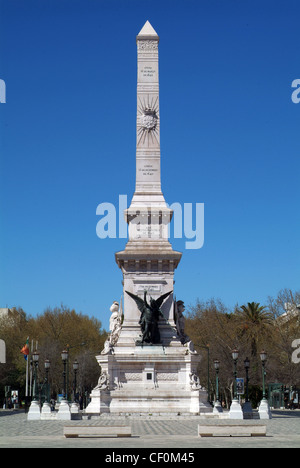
[26, 388]
[31, 370]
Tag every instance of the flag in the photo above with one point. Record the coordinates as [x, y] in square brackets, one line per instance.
[25, 349]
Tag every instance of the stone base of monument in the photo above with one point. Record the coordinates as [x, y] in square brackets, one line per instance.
[149, 379]
[34, 412]
[46, 412]
[264, 410]
[75, 412]
[247, 410]
[235, 411]
[217, 408]
[64, 412]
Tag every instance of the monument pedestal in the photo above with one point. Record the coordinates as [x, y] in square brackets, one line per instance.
[64, 412]
[247, 410]
[264, 410]
[34, 413]
[149, 379]
[217, 408]
[46, 411]
[235, 411]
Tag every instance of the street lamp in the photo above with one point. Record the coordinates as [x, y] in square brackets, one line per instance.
[217, 406]
[75, 369]
[235, 356]
[64, 357]
[34, 412]
[247, 407]
[47, 367]
[64, 409]
[264, 409]
[235, 411]
[263, 357]
[217, 366]
[46, 408]
[35, 359]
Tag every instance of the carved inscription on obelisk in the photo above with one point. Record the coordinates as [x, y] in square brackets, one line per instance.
[148, 128]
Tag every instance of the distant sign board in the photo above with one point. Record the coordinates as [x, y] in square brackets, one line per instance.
[240, 386]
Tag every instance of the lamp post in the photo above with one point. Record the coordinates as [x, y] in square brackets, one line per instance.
[247, 407]
[34, 412]
[235, 356]
[35, 359]
[75, 406]
[263, 357]
[47, 367]
[247, 365]
[264, 409]
[75, 369]
[68, 347]
[46, 408]
[235, 411]
[64, 357]
[64, 408]
[217, 406]
[217, 367]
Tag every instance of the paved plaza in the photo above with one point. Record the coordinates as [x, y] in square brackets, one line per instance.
[283, 431]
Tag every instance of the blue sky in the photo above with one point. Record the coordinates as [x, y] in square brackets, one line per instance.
[229, 139]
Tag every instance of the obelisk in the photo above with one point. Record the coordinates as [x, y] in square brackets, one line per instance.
[148, 261]
[148, 176]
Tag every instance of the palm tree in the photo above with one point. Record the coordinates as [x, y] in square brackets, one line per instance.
[255, 322]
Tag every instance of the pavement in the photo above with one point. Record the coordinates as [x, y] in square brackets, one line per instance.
[150, 436]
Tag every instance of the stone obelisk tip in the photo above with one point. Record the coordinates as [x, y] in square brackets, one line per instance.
[147, 32]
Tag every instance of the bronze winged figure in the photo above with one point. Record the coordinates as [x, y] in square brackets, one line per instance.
[150, 314]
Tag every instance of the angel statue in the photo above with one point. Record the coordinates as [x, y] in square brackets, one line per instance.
[150, 314]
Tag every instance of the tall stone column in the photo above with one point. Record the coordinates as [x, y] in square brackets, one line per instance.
[148, 183]
[148, 261]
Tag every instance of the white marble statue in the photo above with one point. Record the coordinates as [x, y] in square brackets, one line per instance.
[115, 325]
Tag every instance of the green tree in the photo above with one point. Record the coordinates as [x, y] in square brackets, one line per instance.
[255, 323]
[212, 328]
[52, 332]
[284, 308]
[82, 336]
